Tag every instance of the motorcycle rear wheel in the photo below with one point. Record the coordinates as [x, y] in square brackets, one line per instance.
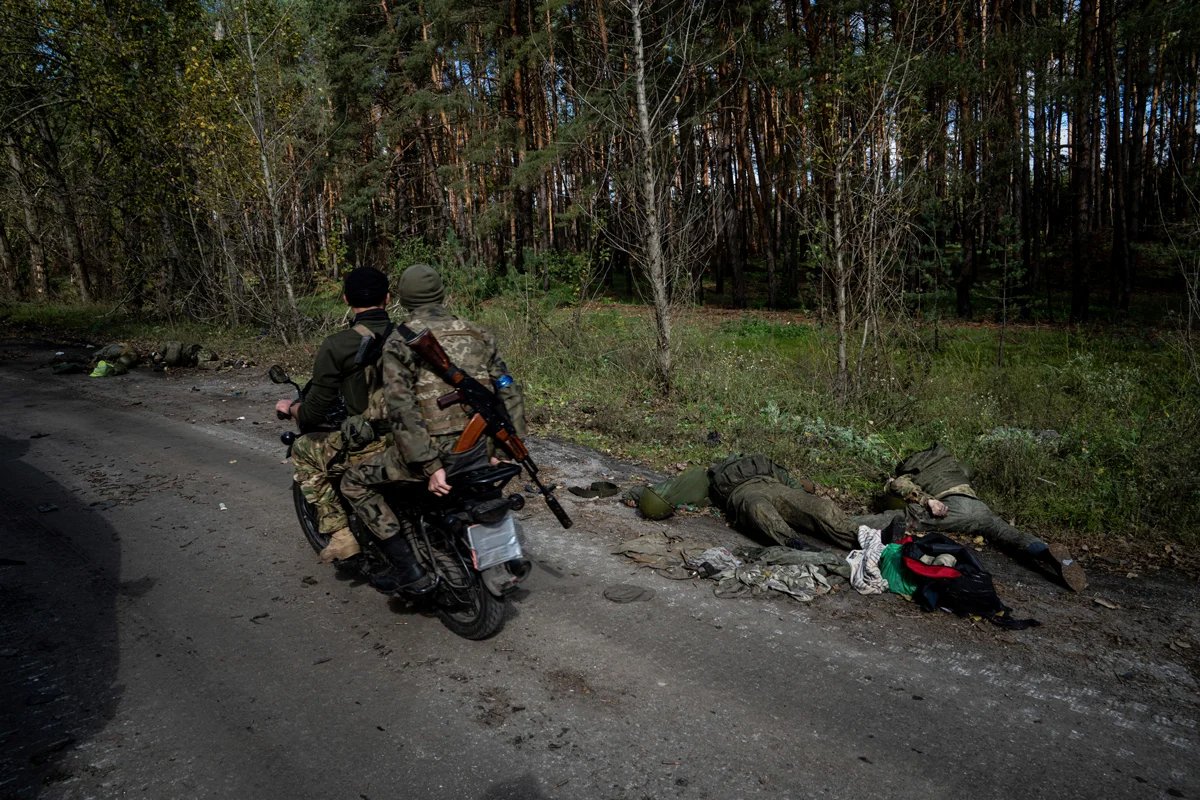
[464, 605]
[306, 512]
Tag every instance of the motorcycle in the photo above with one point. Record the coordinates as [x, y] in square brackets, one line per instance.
[468, 540]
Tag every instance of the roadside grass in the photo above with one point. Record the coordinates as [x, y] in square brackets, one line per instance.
[1090, 433]
[98, 325]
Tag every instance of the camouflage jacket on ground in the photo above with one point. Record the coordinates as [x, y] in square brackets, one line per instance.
[334, 371]
[423, 432]
[930, 473]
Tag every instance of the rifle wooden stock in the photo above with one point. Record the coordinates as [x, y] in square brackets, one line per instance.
[430, 349]
[470, 435]
[512, 443]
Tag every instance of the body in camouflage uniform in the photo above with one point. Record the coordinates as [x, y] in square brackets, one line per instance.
[423, 434]
[760, 496]
[937, 490]
[319, 456]
[935, 473]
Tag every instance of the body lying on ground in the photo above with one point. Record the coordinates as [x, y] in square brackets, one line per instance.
[762, 499]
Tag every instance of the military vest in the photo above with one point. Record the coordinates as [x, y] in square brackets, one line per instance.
[468, 349]
[723, 478]
[936, 471]
[359, 430]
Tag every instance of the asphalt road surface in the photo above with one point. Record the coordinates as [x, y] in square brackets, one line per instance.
[167, 633]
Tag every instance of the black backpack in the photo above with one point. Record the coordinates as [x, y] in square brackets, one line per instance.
[965, 588]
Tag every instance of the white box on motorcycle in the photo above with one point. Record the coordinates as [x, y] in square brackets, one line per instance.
[495, 544]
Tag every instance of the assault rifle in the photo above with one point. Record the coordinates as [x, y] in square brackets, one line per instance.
[489, 416]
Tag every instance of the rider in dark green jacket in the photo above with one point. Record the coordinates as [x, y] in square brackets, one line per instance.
[319, 456]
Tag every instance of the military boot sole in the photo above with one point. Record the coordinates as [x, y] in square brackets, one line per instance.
[1069, 571]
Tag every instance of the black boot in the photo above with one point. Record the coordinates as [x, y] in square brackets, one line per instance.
[406, 575]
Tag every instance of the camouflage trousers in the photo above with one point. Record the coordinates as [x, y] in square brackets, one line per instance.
[779, 512]
[361, 481]
[965, 515]
[317, 462]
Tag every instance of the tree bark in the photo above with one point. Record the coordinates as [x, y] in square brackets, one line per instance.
[64, 204]
[655, 262]
[8, 264]
[38, 279]
[1083, 133]
[1121, 258]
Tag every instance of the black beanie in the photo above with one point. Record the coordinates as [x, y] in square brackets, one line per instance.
[365, 287]
[420, 285]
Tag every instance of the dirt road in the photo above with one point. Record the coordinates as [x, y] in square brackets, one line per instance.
[168, 633]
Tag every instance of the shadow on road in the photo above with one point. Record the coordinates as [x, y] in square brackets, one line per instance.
[523, 788]
[59, 586]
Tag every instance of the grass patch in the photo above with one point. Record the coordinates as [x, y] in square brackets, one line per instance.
[1092, 432]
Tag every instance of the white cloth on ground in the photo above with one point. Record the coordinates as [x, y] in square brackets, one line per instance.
[864, 564]
[713, 561]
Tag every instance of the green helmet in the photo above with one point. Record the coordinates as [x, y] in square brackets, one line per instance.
[653, 506]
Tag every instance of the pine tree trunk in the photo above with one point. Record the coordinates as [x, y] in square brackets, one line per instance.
[38, 279]
[8, 264]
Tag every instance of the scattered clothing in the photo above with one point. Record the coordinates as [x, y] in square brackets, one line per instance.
[865, 576]
[712, 561]
[803, 582]
[891, 566]
[800, 574]
[660, 551]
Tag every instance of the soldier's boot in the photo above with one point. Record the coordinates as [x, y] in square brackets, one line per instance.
[796, 543]
[406, 575]
[342, 545]
[1068, 570]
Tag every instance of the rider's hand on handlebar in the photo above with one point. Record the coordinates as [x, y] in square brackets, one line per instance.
[283, 408]
[437, 483]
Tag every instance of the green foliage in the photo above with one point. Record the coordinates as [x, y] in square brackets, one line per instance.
[1096, 436]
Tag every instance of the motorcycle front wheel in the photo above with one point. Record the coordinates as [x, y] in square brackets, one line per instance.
[306, 512]
[464, 605]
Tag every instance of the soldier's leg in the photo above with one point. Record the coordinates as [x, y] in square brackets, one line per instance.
[879, 521]
[312, 454]
[359, 483]
[815, 516]
[751, 507]
[318, 459]
[359, 486]
[971, 515]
